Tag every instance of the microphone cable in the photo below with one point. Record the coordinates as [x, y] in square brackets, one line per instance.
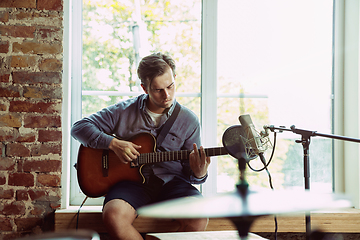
[78, 213]
[269, 176]
[268, 163]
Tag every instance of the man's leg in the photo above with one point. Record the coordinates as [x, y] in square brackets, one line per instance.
[192, 225]
[118, 217]
[178, 188]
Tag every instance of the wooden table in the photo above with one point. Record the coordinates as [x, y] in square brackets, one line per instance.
[206, 235]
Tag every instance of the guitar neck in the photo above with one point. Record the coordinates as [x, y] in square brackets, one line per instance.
[157, 157]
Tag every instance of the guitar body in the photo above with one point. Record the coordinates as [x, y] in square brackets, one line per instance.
[94, 181]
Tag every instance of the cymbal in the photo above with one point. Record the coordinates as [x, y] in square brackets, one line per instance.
[252, 203]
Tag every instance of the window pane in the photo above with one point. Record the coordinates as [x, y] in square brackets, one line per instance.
[115, 38]
[281, 52]
[90, 103]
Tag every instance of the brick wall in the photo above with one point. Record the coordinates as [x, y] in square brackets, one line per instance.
[30, 115]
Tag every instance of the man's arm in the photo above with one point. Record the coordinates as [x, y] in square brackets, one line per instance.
[90, 135]
[93, 131]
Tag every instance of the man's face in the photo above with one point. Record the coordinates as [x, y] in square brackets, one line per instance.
[161, 92]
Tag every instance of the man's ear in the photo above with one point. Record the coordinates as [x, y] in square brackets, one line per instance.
[144, 88]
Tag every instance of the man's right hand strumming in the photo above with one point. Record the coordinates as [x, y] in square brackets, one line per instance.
[126, 151]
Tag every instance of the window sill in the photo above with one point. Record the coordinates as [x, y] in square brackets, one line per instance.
[75, 209]
[344, 221]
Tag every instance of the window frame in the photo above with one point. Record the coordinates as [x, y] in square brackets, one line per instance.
[346, 168]
[346, 107]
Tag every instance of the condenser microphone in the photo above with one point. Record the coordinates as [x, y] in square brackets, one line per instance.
[253, 141]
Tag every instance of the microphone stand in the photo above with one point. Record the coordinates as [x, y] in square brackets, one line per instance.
[305, 141]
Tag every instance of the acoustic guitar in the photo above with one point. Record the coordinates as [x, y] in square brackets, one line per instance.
[98, 169]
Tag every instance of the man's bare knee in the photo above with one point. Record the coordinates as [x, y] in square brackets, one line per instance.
[118, 217]
[192, 225]
[119, 209]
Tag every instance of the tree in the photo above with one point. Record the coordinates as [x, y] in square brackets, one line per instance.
[109, 59]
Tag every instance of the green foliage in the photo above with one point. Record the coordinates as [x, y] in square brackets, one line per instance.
[109, 61]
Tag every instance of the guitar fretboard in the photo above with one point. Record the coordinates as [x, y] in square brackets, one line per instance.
[157, 157]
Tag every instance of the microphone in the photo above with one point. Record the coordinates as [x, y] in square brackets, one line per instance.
[255, 143]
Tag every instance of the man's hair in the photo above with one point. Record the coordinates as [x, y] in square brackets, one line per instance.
[153, 66]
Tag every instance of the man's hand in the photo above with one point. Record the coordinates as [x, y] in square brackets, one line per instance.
[126, 151]
[199, 163]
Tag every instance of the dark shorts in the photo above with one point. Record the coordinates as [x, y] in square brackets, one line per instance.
[138, 194]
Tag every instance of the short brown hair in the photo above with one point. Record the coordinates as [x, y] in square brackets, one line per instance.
[154, 65]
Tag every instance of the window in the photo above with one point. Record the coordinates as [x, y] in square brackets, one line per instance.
[117, 34]
[263, 60]
[275, 63]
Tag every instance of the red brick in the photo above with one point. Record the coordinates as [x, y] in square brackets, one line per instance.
[37, 48]
[7, 164]
[5, 78]
[5, 62]
[10, 120]
[48, 180]
[55, 205]
[45, 149]
[27, 224]
[31, 16]
[22, 195]
[40, 195]
[9, 91]
[2, 179]
[4, 47]
[8, 134]
[18, 3]
[17, 31]
[21, 15]
[40, 107]
[5, 224]
[4, 17]
[26, 137]
[33, 92]
[3, 107]
[42, 166]
[36, 77]
[42, 121]
[17, 150]
[49, 136]
[38, 209]
[6, 193]
[21, 179]
[50, 34]
[23, 61]
[43, 92]
[50, 195]
[50, 65]
[14, 208]
[55, 5]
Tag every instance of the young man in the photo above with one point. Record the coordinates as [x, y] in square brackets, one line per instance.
[147, 113]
